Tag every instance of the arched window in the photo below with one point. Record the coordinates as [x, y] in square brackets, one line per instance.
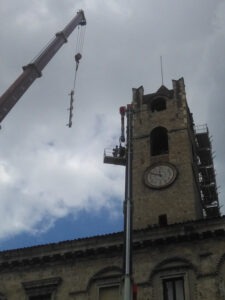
[173, 278]
[158, 104]
[159, 141]
[106, 284]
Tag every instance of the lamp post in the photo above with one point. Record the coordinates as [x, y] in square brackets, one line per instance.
[128, 210]
[124, 158]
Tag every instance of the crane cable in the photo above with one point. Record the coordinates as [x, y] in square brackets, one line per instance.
[78, 56]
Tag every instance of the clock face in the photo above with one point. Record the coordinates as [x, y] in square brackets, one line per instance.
[160, 175]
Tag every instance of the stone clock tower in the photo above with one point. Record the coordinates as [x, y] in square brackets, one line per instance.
[165, 176]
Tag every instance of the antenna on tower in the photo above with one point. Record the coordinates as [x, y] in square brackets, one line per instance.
[161, 64]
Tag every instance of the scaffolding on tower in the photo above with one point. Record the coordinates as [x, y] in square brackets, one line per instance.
[206, 172]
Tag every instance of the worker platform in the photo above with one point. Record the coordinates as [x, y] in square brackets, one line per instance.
[207, 177]
[115, 156]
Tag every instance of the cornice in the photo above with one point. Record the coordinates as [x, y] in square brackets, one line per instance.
[112, 244]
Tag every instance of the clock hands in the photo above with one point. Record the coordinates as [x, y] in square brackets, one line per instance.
[156, 174]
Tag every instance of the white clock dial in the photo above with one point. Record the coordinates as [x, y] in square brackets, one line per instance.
[160, 175]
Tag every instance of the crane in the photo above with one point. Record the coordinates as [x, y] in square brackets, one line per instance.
[34, 69]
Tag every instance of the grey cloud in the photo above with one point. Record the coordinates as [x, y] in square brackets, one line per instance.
[123, 44]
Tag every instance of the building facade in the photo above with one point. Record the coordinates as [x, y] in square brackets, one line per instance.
[178, 233]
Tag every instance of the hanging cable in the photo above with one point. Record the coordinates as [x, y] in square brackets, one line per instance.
[78, 56]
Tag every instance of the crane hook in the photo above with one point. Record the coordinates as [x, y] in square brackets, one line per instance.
[78, 57]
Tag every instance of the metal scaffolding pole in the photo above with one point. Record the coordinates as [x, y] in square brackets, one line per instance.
[128, 210]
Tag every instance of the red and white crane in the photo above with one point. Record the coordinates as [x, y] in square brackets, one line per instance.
[34, 69]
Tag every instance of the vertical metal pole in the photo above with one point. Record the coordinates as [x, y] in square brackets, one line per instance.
[128, 211]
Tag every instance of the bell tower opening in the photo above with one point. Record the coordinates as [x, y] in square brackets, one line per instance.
[159, 141]
[158, 104]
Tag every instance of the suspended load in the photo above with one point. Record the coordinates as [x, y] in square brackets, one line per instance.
[78, 56]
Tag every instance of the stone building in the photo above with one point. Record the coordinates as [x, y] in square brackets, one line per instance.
[178, 232]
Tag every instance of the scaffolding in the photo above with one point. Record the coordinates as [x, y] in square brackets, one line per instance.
[206, 172]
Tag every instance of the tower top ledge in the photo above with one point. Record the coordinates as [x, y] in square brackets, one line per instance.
[163, 91]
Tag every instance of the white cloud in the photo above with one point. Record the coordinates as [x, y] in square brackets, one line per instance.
[6, 177]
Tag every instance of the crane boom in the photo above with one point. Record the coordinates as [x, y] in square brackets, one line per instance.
[34, 69]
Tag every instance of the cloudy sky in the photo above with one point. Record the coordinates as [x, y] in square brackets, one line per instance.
[53, 183]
